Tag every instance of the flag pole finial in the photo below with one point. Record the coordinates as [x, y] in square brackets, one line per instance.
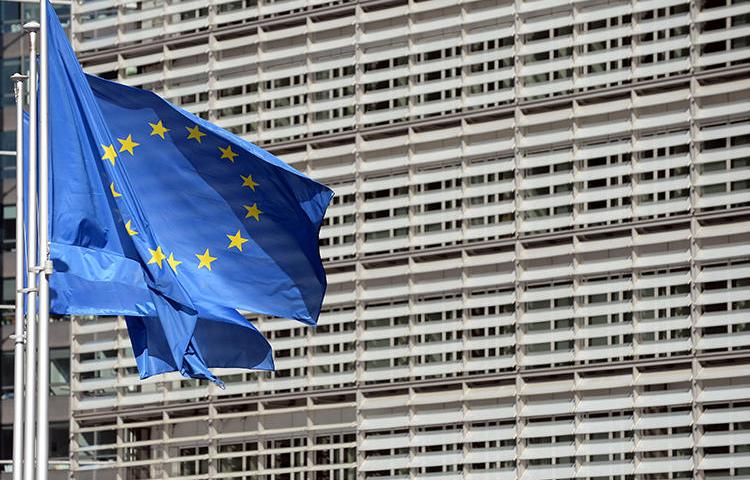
[31, 26]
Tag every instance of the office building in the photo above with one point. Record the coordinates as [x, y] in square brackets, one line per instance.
[537, 257]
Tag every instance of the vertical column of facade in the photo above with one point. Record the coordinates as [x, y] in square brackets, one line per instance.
[413, 315]
[464, 45]
[636, 419]
[307, 59]
[308, 347]
[263, 378]
[517, 180]
[578, 29]
[577, 462]
[358, 237]
[413, 471]
[634, 274]
[360, 398]
[166, 468]
[635, 277]
[518, 248]
[465, 327]
[360, 364]
[694, 33]
[73, 446]
[262, 456]
[120, 23]
[413, 232]
[308, 83]
[308, 453]
[633, 163]
[465, 431]
[518, 404]
[165, 87]
[634, 160]
[359, 17]
[465, 293]
[260, 128]
[213, 53]
[120, 472]
[123, 343]
[578, 320]
[633, 421]
[411, 82]
[633, 37]
[576, 173]
[213, 467]
[518, 287]
[694, 176]
[696, 414]
[307, 168]
[578, 303]
[120, 456]
[412, 301]
[359, 199]
[694, 224]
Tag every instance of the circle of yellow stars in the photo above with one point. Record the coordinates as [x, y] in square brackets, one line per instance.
[158, 256]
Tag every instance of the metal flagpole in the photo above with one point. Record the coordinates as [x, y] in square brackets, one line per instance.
[30, 399]
[18, 80]
[42, 426]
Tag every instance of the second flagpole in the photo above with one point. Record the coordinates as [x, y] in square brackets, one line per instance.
[19, 334]
[42, 423]
[31, 224]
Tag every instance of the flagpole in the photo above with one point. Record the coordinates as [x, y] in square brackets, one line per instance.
[42, 424]
[18, 80]
[30, 400]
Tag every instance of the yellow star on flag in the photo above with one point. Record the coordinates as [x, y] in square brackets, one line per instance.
[109, 153]
[205, 260]
[158, 129]
[157, 256]
[249, 182]
[195, 133]
[253, 211]
[127, 145]
[129, 228]
[228, 153]
[114, 192]
[173, 262]
[236, 240]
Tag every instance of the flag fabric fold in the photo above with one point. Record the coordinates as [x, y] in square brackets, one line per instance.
[175, 223]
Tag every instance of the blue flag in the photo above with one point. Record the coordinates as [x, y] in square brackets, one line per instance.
[175, 223]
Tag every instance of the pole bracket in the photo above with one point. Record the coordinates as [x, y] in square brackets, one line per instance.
[48, 269]
[27, 290]
[18, 338]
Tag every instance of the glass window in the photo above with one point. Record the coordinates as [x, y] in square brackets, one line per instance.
[6, 375]
[58, 440]
[6, 441]
[9, 290]
[59, 371]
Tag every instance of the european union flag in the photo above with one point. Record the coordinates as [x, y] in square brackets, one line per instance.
[175, 223]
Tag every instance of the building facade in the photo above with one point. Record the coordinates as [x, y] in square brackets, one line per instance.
[538, 255]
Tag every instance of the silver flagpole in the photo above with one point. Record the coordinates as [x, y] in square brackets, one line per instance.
[42, 425]
[18, 80]
[31, 222]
